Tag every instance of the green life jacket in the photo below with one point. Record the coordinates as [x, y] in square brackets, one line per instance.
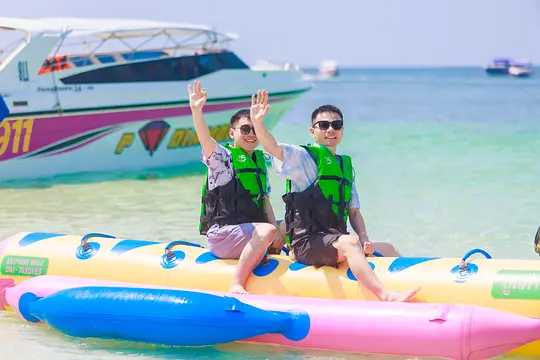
[335, 177]
[251, 172]
[324, 205]
[241, 200]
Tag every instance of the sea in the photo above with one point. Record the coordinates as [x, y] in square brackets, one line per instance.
[447, 160]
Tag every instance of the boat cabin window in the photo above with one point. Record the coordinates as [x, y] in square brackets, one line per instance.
[79, 61]
[169, 69]
[105, 59]
[55, 63]
[143, 55]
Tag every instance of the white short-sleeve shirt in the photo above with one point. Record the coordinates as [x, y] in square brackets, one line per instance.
[220, 168]
[301, 169]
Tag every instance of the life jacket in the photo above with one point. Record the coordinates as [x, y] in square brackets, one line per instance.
[241, 200]
[324, 205]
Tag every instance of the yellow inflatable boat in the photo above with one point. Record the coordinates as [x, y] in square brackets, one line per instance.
[504, 284]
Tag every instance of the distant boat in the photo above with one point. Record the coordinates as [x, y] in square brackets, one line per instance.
[499, 66]
[328, 69]
[520, 69]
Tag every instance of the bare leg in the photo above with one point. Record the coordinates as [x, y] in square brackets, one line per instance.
[279, 240]
[350, 250]
[253, 252]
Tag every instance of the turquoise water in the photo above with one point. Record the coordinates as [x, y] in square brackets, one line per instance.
[446, 159]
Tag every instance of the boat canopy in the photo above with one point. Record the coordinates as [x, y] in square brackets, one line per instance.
[105, 40]
[109, 27]
[502, 61]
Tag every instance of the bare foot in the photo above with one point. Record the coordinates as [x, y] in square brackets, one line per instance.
[238, 290]
[400, 296]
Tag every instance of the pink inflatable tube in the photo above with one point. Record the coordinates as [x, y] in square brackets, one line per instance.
[451, 331]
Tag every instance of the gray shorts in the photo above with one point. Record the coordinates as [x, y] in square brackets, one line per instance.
[227, 242]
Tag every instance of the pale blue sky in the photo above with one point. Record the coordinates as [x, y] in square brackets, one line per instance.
[355, 33]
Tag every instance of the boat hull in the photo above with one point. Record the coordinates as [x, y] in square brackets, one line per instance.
[130, 127]
[520, 71]
[497, 70]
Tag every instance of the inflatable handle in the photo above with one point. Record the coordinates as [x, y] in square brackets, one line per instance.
[464, 265]
[87, 249]
[170, 257]
[476, 251]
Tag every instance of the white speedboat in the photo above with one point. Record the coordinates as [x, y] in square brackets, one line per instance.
[328, 69]
[521, 69]
[499, 66]
[95, 95]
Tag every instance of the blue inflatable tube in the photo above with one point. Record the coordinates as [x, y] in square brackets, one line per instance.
[172, 317]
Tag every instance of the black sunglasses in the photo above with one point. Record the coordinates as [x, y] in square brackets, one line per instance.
[325, 124]
[246, 129]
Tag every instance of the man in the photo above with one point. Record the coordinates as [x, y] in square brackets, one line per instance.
[322, 197]
[236, 214]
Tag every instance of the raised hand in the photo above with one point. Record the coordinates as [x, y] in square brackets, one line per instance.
[197, 96]
[259, 106]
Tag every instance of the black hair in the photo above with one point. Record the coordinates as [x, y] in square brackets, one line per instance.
[326, 108]
[238, 115]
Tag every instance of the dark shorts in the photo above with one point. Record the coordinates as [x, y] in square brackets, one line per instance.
[316, 248]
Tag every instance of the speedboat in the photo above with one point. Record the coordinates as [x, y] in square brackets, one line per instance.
[499, 66]
[328, 69]
[100, 95]
[521, 69]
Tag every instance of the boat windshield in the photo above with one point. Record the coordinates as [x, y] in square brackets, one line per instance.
[11, 42]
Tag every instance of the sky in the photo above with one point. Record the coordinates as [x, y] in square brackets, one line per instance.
[378, 33]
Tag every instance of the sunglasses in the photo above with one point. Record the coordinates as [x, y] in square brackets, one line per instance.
[325, 124]
[246, 129]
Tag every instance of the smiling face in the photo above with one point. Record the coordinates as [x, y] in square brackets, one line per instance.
[329, 137]
[246, 141]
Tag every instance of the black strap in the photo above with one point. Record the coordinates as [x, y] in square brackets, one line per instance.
[342, 202]
[250, 170]
[339, 179]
